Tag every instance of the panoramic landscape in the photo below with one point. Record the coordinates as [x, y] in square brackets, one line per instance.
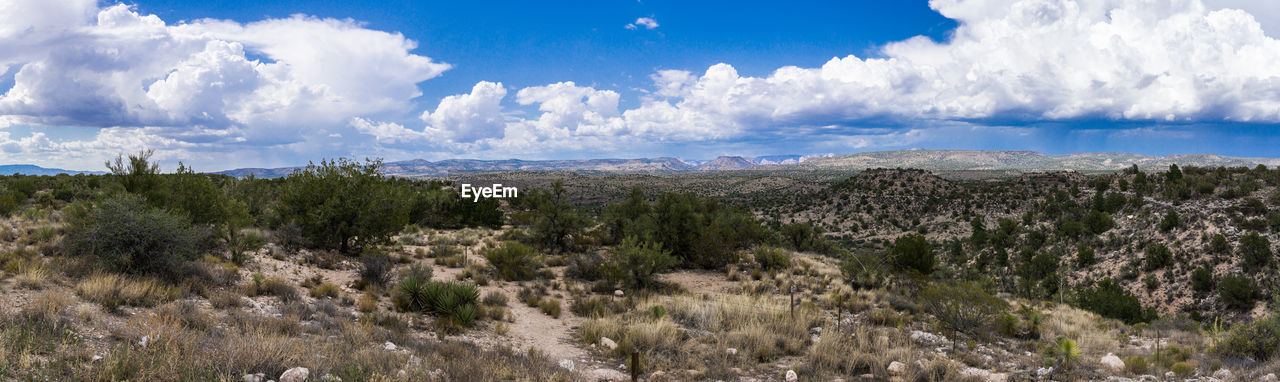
[944, 190]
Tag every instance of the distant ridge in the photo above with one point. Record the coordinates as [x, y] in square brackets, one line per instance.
[30, 169]
[932, 160]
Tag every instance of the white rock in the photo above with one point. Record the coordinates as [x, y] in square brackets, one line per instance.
[297, 374]
[1170, 375]
[618, 292]
[1222, 374]
[731, 351]
[997, 377]
[815, 338]
[567, 364]
[1269, 378]
[330, 378]
[608, 343]
[791, 376]
[926, 337]
[259, 377]
[974, 372]
[1111, 361]
[1044, 371]
[144, 341]
[388, 346]
[897, 368]
[96, 357]
[402, 375]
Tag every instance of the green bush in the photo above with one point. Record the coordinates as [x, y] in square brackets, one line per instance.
[1256, 251]
[454, 302]
[1201, 280]
[1109, 299]
[863, 270]
[1156, 256]
[772, 258]
[961, 307]
[125, 235]
[343, 205]
[375, 268]
[637, 264]
[514, 261]
[1259, 340]
[1170, 221]
[1237, 292]
[1136, 364]
[912, 253]
[1098, 222]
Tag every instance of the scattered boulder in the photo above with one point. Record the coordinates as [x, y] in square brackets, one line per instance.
[926, 337]
[1269, 378]
[897, 368]
[618, 293]
[608, 343]
[330, 378]
[297, 374]
[997, 377]
[259, 377]
[974, 372]
[566, 364]
[867, 377]
[388, 346]
[1112, 362]
[144, 341]
[1044, 371]
[1222, 374]
[731, 351]
[791, 376]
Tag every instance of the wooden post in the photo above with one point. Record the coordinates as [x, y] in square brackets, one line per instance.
[793, 302]
[635, 366]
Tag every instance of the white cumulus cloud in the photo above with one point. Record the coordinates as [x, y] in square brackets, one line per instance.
[643, 22]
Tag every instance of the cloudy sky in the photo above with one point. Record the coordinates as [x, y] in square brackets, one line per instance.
[229, 84]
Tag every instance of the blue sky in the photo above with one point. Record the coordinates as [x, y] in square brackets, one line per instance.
[273, 83]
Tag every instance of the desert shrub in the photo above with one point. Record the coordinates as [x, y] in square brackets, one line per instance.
[452, 302]
[885, 317]
[124, 235]
[1237, 292]
[367, 303]
[1065, 351]
[1109, 299]
[343, 205]
[1156, 256]
[514, 261]
[862, 270]
[239, 246]
[260, 285]
[637, 264]
[589, 266]
[1136, 364]
[1256, 251]
[113, 290]
[597, 306]
[495, 298]
[1098, 222]
[1259, 340]
[1085, 255]
[375, 268]
[1170, 221]
[961, 307]
[772, 258]
[1201, 280]
[550, 307]
[805, 237]
[289, 237]
[419, 271]
[1219, 244]
[326, 289]
[912, 253]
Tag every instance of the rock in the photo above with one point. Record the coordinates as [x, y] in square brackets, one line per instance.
[388, 346]
[657, 375]
[330, 378]
[974, 372]
[144, 341]
[1170, 375]
[791, 376]
[608, 343]
[997, 377]
[897, 368]
[1269, 378]
[617, 292]
[1044, 371]
[297, 374]
[259, 377]
[1222, 374]
[96, 357]
[815, 338]
[1110, 361]
[567, 364]
[414, 362]
[926, 337]
[402, 375]
[694, 373]
[731, 351]
[1148, 378]
[867, 377]
[736, 370]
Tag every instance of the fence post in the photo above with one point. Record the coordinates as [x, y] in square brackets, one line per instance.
[635, 366]
[793, 302]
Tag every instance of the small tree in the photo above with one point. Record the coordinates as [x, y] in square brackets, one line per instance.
[556, 221]
[961, 307]
[1170, 221]
[514, 261]
[912, 252]
[1237, 292]
[1098, 222]
[1157, 256]
[343, 205]
[1201, 280]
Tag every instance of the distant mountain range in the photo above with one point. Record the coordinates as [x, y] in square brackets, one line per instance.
[933, 160]
[28, 169]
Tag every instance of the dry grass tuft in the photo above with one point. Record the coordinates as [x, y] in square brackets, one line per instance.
[113, 290]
